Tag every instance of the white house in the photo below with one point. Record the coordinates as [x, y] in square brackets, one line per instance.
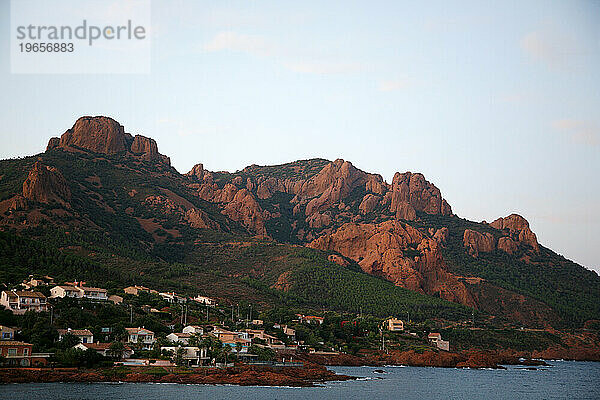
[436, 339]
[104, 349]
[62, 291]
[182, 338]
[191, 355]
[205, 300]
[84, 335]
[141, 336]
[20, 301]
[78, 291]
[193, 330]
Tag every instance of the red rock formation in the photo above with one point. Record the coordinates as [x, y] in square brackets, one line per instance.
[477, 242]
[405, 211]
[518, 229]
[197, 172]
[507, 245]
[53, 143]
[46, 184]
[368, 203]
[147, 149]
[106, 136]
[245, 209]
[97, 134]
[441, 235]
[335, 181]
[386, 250]
[419, 193]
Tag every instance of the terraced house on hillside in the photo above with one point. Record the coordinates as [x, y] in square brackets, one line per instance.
[20, 301]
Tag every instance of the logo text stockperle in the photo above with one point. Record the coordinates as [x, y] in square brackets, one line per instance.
[82, 32]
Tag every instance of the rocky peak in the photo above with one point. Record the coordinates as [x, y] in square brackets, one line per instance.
[197, 172]
[46, 184]
[106, 136]
[416, 191]
[97, 134]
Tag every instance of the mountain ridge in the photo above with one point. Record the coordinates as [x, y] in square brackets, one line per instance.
[97, 176]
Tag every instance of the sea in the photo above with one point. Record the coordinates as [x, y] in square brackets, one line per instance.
[560, 380]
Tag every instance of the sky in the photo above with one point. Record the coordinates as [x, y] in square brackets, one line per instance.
[497, 104]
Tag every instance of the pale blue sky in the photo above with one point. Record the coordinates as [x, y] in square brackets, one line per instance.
[498, 105]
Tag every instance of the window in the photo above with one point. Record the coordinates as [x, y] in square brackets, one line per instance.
[25, 352]
[12, 352]
[84, 340]
[6, 335]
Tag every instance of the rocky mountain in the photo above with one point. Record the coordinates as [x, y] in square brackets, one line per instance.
[98, 177]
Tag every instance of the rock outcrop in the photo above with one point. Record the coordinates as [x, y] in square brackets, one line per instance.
[477, 242]
[245, 209]
[45, 184]
[419, 193]
[97, 134]
[507, 245]
[518, 229]
[104, 135]
[399, 253]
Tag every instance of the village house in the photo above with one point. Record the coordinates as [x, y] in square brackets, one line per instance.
[269, 340]
[32, 282]
[190, 355]
[84, 335]
[395, 325]
[207, 301]
[436, 339]
[142, 337]
[310, 319]
[77, 290]
[136, 290]
[104, 349]
[172, 297]
[7, 333]
[182, 338]
[62, 291]
[193, 330]
[19, 354]
[93, 293]
[20, 301]
[257, 322]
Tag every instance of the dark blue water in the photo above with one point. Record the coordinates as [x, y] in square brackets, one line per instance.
[562, 380]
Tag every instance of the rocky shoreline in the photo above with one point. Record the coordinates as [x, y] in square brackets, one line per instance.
[243, 375]
[463, 359]
[313, 372]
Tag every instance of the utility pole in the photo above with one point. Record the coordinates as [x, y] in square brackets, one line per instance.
[131, 314]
